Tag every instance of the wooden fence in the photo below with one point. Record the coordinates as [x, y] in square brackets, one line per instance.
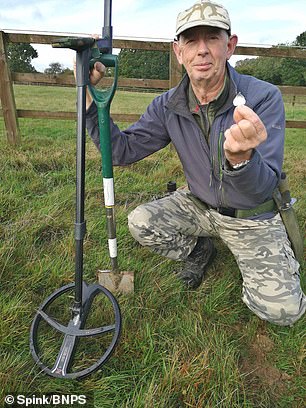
[11, 114]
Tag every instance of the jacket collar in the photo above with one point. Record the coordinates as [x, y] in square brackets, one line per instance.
[178, 101]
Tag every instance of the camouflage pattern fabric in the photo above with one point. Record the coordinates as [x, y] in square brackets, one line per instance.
[271, 285]
[203, 13]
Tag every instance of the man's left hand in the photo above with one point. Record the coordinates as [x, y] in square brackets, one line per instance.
[242, 137]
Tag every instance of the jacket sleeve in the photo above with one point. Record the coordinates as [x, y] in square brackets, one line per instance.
[257, 180]
[143, 138]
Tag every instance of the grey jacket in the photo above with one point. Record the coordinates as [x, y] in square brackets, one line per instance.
[168, 119]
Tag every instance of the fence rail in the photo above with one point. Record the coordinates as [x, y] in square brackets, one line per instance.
[266, 51]
[120, 117]
[69, 81]
[11, 114]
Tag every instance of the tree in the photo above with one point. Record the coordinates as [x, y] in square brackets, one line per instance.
[20, 57]
[279, 71]
[54, 68]
[67, 72]
[293, 72]
[143, 64]
[301, 40]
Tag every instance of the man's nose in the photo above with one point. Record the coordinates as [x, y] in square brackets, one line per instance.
[202, 46]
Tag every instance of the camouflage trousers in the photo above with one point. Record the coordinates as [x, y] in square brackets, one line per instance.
[270, 273]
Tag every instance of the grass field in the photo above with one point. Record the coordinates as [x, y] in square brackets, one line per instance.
[178, 349]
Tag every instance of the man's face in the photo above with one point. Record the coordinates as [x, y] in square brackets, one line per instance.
[203, 51]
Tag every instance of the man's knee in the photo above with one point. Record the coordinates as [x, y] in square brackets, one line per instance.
[138, 222]
[283, 312]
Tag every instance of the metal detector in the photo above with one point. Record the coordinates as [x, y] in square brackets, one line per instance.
[73, 311]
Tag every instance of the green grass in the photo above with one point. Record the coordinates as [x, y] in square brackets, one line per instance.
[177, 349]
[63, 99]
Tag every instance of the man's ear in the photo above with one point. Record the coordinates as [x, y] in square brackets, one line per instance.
[231, 45]
[177, 51]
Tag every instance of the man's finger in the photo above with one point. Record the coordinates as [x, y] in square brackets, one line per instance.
[99, 67]
[243, 112]
[246, 128]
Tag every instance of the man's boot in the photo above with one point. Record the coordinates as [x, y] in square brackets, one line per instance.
[195, 265]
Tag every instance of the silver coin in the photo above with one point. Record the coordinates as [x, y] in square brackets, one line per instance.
[239, 100]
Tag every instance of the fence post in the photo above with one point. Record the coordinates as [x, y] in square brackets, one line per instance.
[175, 69]
[7, 96]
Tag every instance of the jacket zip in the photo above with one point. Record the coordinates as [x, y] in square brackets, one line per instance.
[220, 156]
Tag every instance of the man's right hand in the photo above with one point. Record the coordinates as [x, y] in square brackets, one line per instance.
[95, 76]
[97, 73]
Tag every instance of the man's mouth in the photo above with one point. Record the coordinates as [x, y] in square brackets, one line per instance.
[203, 66]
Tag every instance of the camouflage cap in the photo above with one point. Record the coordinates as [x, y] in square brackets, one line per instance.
[203, 13]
